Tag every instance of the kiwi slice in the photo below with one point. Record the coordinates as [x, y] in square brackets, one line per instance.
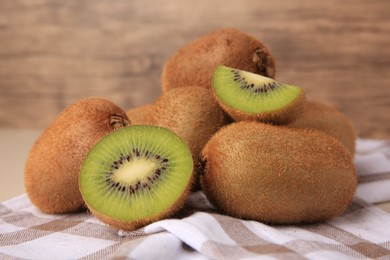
[248, 96]
[136, 175]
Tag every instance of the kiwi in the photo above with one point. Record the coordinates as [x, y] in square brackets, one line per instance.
[327, 119]
[136, 175]
[248, 96]
[192, 113]
[53, 164]
[140, 115]
[194, 63]
[276, 174]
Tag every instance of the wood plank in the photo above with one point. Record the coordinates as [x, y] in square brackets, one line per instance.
[54, 52]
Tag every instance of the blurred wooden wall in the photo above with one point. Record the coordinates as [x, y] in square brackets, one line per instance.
[54, 52]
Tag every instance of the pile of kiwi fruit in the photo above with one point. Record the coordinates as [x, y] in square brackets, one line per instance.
[258, 148]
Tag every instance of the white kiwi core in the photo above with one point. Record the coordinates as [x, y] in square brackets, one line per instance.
[135, 170]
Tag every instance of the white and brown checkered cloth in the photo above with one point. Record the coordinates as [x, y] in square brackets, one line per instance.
[200, 232]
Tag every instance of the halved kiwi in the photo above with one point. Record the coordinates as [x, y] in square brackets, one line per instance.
[248, 96]
[136, 175]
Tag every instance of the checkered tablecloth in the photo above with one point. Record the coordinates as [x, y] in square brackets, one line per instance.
[201, 232]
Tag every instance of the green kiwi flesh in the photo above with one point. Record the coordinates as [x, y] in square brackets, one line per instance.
[248, 96]
[136, 175]
[276, 174]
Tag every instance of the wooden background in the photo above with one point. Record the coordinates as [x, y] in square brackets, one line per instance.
[54, 52]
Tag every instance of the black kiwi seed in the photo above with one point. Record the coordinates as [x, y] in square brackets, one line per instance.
[255, 89]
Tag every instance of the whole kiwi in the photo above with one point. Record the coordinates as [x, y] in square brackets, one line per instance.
[323, 117]
[192, 113]
[194, 63]
[140, 115]
[53, 164]
[276, 174]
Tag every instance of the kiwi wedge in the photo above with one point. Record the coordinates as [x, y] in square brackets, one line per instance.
[329, 120]
[136, 175]
[276, 174]
[248, 96]
[194, 63]
[53, 164]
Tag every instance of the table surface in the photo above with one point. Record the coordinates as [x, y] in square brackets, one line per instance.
[54, 52]
[16, 144]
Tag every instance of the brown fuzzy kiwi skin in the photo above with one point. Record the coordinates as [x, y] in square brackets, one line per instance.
[54, 162]
[133, 225]
[327, 119]
[194, 63]
[285, 115]
[140, 115]
[276, 174]
[192, 113]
